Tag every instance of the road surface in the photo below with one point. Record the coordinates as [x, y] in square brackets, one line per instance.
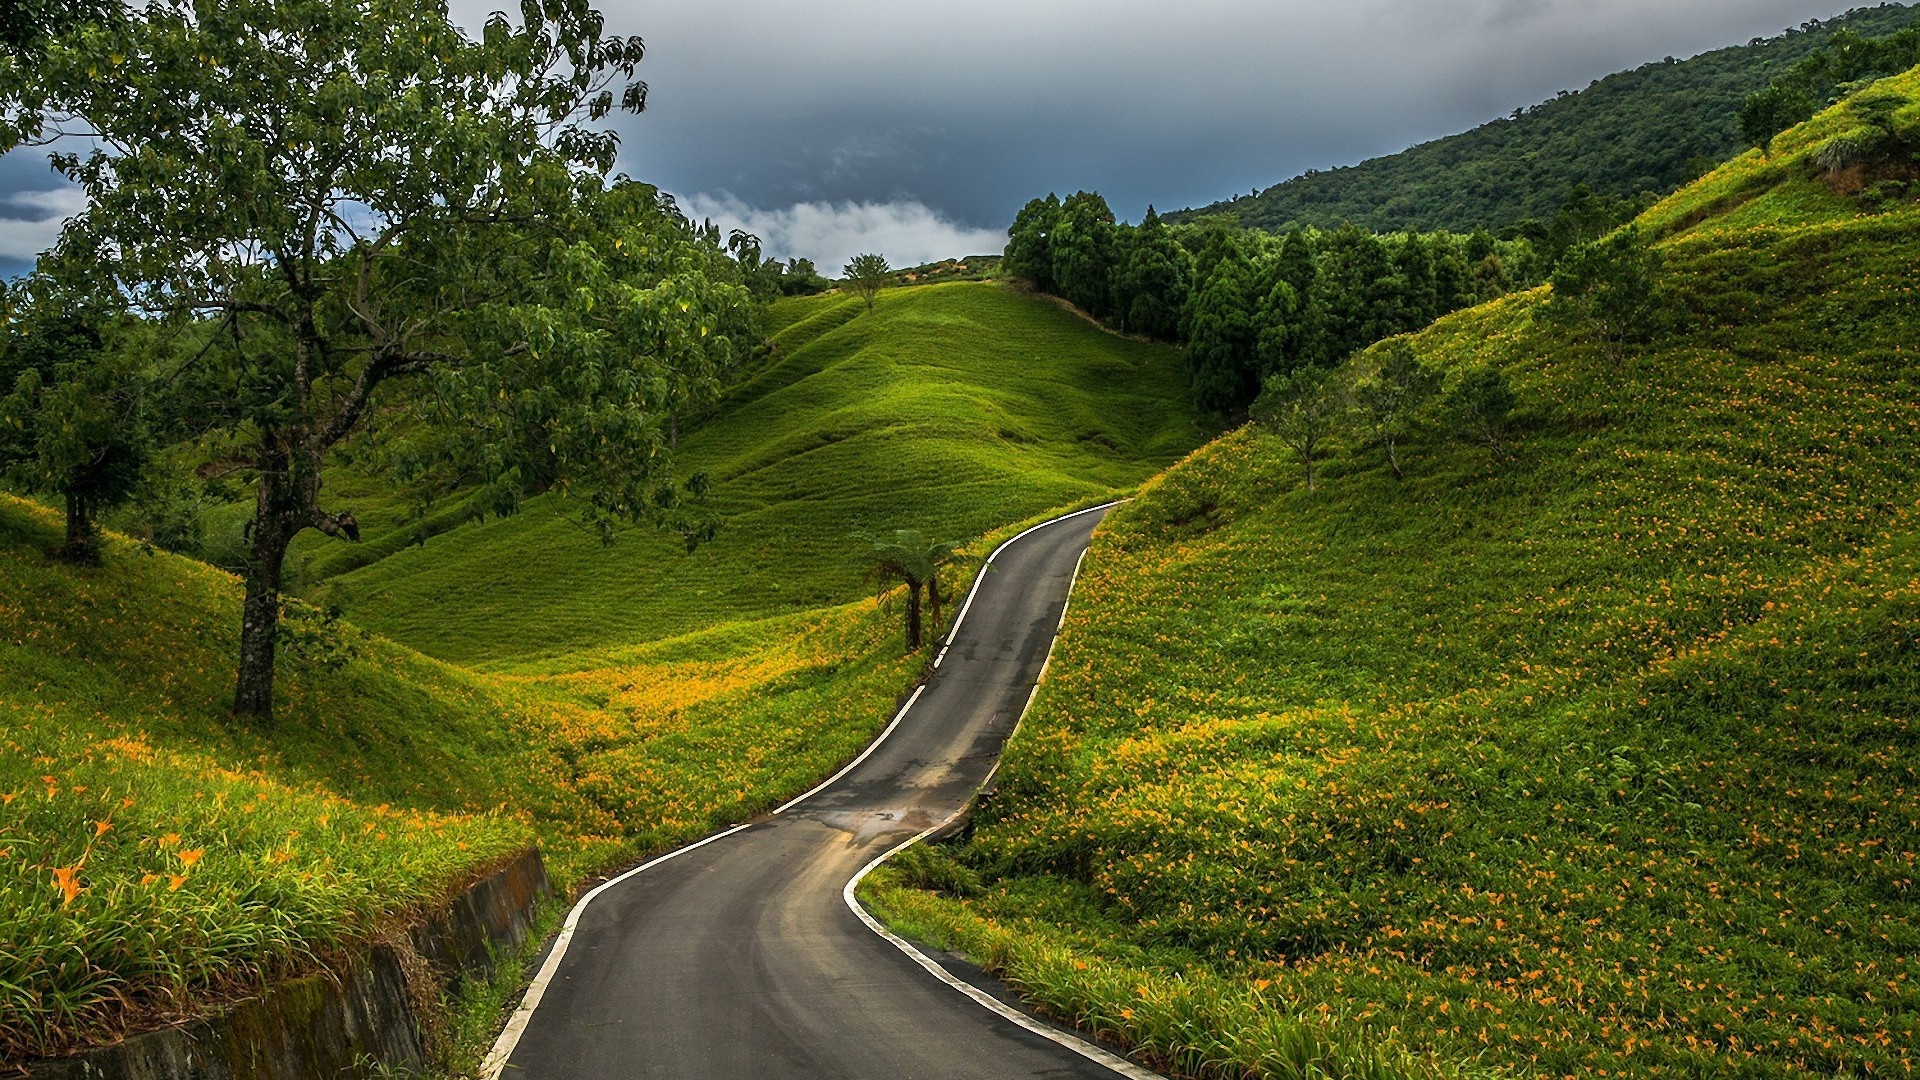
[741, 960]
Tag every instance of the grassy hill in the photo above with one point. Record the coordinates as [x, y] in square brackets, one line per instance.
[1596, 760]
[1640, 130]
[950, 408]
[205, 855]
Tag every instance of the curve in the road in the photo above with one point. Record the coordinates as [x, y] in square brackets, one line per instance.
[745, 955]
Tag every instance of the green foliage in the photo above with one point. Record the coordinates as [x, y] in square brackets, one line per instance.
[1388, 394]
[1480, 404]
[1612, 287]
[1302, 410]
[1638, 131]
[1847, 61]
[1601, 761]
[1084, 253]
[73, 416]
[868, 274]
[1223, 338]
[910, 559]
[1248, 306]
[554, 322]
[1151, 281]
[1029, 253]
[27, 29]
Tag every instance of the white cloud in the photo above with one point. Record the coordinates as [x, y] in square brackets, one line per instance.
[30, 221]
[907, 232]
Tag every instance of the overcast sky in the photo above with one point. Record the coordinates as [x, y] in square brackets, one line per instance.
[918, 129]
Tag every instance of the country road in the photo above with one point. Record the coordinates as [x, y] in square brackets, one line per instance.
[739, 959]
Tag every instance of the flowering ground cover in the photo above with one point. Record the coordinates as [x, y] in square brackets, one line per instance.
[1596, 758]
[157, 857]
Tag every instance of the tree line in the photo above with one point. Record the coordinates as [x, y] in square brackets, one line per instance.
[1846, 63]
[1248, 305]
[328, 229]
[1607, 293]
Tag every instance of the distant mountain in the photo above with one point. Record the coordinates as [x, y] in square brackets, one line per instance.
[1651, 129]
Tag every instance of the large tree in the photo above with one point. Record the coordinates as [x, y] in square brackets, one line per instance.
[1223, 336]
[1029, 253]
[385, 217]
[1083, 252]
[1301, 408]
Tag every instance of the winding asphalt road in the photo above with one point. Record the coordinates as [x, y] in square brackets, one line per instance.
[740, 959]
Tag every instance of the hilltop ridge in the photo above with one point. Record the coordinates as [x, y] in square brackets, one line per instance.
[1646, 130]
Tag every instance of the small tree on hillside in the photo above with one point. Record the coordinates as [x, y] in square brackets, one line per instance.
[909, 558]
[867, 275]
[1611, 286]
[1481, 405]
[1301, 409]
[1388, 397]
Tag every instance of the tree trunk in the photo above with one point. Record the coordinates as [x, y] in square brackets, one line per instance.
[933, 598]
[913, 616]
[79, 546]
[1393, 458]
[260, 614]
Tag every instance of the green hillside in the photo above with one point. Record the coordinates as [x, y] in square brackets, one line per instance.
[205, 855]
[1640, 130]
[1596, 759]
[951, 408]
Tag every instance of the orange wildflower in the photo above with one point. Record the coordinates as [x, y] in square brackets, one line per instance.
[67, 880]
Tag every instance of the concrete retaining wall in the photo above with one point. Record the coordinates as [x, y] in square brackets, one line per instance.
[350, 1022]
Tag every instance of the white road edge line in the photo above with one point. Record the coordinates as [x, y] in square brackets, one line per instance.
[503, 1047]
[1096, 1054]
[855, 763]
[980, 997]
[982, 576]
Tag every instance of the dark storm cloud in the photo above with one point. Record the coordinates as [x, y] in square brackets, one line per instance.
[951, 113]
[972, 107]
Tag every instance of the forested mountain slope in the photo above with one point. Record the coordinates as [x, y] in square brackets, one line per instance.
[1593, 755]
[1646, 130]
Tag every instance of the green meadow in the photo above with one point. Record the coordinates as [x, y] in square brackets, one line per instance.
[1593, 758]
[950, 408]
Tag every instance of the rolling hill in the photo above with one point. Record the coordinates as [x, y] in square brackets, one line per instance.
[1595, 758]
[1647, 130]
[951, 408]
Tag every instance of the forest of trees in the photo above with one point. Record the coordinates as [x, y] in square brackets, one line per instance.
[1250, 306]
[1643, 131]
[1847, 62]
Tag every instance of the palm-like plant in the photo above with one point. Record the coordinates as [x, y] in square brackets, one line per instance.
[909, 558]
